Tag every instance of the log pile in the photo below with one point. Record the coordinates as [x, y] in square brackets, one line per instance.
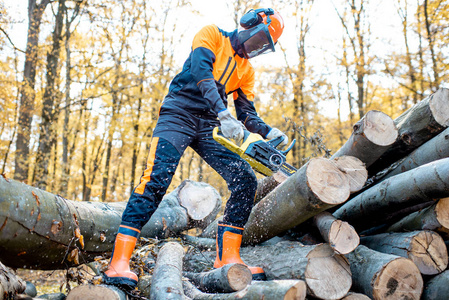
[371, 222]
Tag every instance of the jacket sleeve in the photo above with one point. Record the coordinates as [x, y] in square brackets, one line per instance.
[245, 109]
[204, 47]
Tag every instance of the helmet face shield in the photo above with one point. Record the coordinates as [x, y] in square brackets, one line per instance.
[256, 40]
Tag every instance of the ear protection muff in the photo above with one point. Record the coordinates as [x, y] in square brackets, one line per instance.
[252, 17]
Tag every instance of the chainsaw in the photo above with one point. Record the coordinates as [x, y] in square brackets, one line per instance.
[263, 156]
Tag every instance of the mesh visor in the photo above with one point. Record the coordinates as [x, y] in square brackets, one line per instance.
[256, 41]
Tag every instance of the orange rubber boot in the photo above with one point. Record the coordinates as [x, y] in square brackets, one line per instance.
[119, 273]
[229, 239]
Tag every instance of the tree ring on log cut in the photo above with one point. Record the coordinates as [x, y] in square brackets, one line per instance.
[379, 128]
[439, 106]
[239, 276]
[297, 291]
[199, 200]
[343, 236]
[442, 212]
[326, 181]
[399, 279]
[97, 292]
[426, 252]
[355, 169]
[327, 274]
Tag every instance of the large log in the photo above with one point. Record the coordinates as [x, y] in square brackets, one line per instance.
[370, 138]
[10, 283]
[167, 275]
[416, 126]
[434, 217]
[227, 279]
[416, 186]
[384, 276]
[97, 292]
[339, 234]
[45, 231]
[274, 289]
[315, 187]
[326, 273]
[437, 288]
[425, 248]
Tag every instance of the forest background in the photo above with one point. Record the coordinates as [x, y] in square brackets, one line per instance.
[81, 82]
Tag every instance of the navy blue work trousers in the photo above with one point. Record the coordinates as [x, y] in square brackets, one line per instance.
[175, 131]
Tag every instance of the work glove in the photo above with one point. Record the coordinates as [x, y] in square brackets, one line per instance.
[274, 133]
[230, 127]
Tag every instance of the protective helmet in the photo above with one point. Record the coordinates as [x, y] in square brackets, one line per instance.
[261, 31]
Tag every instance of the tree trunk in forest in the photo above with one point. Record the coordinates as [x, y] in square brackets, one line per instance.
[315, 187]
[413, 187]
[416, 126]
[384, 276]
[97, 292]
[327, 274]
[227, 279]
[437, 288]
[435, 217]
[425, 248]
[167, 275]
[49, 115]
[370, 138]
[340, 235]
[10, 283]
[50, 232]
[27, 93]
[273, 289]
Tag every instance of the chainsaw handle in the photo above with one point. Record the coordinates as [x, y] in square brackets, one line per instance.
[219, 137]
[277, 141]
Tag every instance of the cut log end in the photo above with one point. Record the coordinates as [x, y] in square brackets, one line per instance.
[239, 276]
[297, 292]
[199, 200]
[380, 128]
[400, 279]
[428, 252]
[439, 107]
[355, 169]
[98, 292]
[328, 276]
[356, 296]
[442, 212]
[327, 182]
[342, 237]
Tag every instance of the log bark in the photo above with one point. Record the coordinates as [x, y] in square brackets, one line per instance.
[437, 288]
[98, 292]
[416, 126]
[355, 169]
[227, 279]
[341, 236]
[434, 217]
[383, 276]
[264, 186]
[274, 289]
[167, 275]
[10, 283]
[370, 138]
[413, 187]
[41, 230]
[326, 273]
[315, 187]
[425, 248]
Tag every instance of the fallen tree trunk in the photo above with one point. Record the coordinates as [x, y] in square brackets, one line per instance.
[10, 283]
[227, 279]
[416, 126]
[370, 138]
[326, 274]
[167, 275]
[50, 232]
[274, 289]
[315, 187]
[98, 292]
[434, 217]
[425, 248]
[437, 288]
[339, 234]
[406, 189]
[384, 276]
